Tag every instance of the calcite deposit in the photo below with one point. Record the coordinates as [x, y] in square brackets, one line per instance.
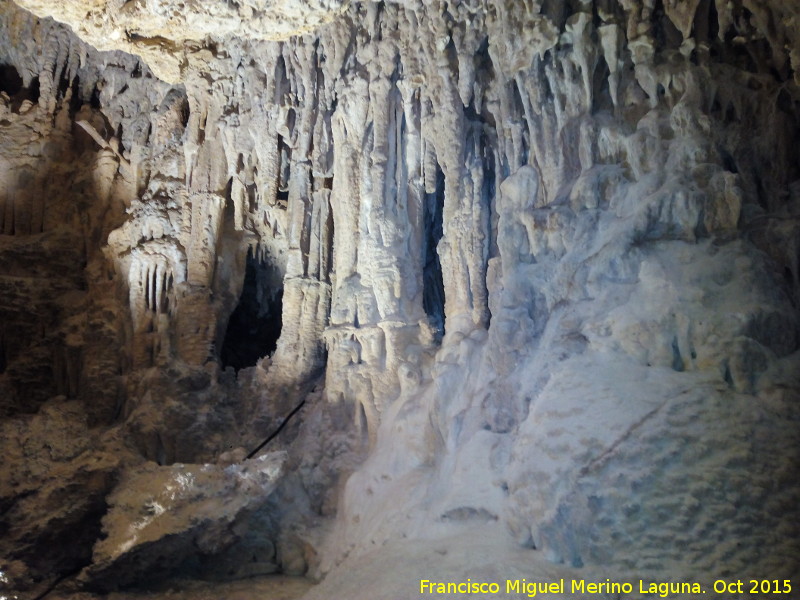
[159, 515]
[514, 284]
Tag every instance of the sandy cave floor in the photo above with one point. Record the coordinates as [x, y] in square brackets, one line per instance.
[273, 587]
[391, 572]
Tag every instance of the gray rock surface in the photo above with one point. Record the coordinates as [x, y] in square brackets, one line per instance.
[158, 516]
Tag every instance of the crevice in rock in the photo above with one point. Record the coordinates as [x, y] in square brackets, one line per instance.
[33, 90]
[3, 358]
[601, 93]
[713, 21]
[94, 98]
[330, 226]
[255, 324]
[677, 359]
[433, 283]
[666, 35]
[518, 110]
[285, 157]
[64, 82]
[66, 369]
[484, 68]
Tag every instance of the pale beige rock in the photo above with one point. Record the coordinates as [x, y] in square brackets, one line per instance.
[167, 34]
[160, 515]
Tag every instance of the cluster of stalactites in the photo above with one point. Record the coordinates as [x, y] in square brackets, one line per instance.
[387, 135]
[45, 54]
[365, 161]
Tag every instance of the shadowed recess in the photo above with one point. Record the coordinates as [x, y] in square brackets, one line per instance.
[255, 325]
[433, 284]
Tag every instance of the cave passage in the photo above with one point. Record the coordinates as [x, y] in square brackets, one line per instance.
[432, 280]
[255, 324]
[10, 80]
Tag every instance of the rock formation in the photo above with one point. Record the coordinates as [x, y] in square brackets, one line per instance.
[528, 271]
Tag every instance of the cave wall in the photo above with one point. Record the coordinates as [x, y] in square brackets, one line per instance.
[544, 255]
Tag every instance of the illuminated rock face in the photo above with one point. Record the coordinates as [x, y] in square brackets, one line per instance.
[172, 35]
[540, 259]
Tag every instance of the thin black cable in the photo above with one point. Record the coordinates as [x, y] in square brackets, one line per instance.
[277, 431]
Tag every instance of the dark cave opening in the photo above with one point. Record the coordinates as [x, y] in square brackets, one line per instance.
[10, 80]
[255, 324]
[432, 281]
[285, 154]
[11, 83]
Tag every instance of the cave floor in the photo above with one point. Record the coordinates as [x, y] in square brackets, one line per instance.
[273, 587]
[479, 552]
